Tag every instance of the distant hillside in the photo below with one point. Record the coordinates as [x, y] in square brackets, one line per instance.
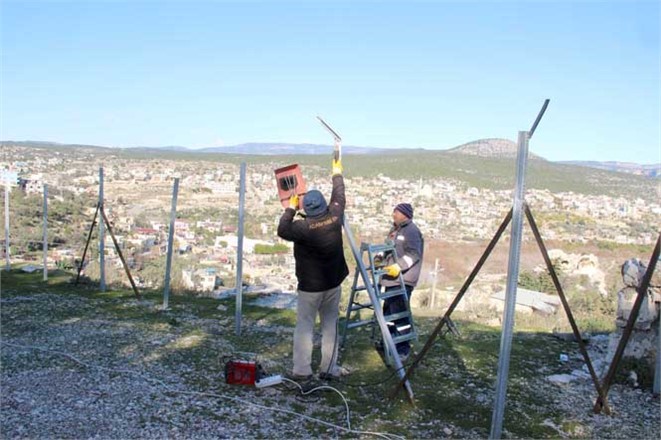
[496, 172]
[275, 149]
[44, 144]
[653, 170]
[493, 147]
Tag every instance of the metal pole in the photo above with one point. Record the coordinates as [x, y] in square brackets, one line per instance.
[7, 252]
[45, 245]
[102, 238]
[87, 243]
[337, 148]
[565, 304]
[539, 118]
[641, 291]
[432, 300]
[657, 364]
[119, 253]
[168, 261]
[239, 249]
[510, 295]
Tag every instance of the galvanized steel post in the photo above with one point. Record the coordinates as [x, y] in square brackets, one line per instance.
[657, 363]
[102, 238]
[45, 243]
[168, 261]
[8, 263]
[510, 295]
[239, 249]
[432, 299]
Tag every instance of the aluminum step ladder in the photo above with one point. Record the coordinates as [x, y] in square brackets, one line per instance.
[369, 271]
[374, 263]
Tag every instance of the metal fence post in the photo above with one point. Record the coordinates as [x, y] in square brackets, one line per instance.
[510, 295]
[45, 245]
[239, 249]
[102, 238]
[168, 261]
[7, 248]
[657, 363]
[432, 299]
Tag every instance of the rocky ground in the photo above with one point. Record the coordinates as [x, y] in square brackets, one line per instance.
[88, 367]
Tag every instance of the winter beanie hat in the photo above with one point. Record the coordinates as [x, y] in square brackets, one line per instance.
[406, 209]
[314, 203]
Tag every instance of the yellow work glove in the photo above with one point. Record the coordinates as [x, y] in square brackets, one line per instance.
[337, 167]
[393, 270]
[293, 202]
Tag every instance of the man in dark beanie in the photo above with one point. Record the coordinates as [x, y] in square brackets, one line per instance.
[320, 270]
[409, 247]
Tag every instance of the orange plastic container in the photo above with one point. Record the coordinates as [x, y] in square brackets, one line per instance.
[290, 181]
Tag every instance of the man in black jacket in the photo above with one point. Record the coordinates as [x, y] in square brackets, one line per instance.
[320, 270]
[409, 247]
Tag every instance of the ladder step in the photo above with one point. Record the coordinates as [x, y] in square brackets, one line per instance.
[376, 248]
[406, 337]
[355, 324]
[396, 316]
[358, 306]
[391, 293]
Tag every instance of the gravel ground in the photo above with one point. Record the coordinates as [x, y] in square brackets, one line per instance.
[106, 378]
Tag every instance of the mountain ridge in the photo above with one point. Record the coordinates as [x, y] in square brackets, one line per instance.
[487, 147]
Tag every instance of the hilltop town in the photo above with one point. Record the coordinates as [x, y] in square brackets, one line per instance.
[138, 194]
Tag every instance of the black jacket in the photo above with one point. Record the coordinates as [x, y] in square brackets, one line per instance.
[409, 246]
[318, 249]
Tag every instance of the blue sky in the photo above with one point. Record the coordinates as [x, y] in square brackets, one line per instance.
[431, 74]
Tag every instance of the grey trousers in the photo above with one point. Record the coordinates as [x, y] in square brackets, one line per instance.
[326, 303]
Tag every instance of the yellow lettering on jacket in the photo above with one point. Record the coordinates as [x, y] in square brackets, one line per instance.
[321, 224]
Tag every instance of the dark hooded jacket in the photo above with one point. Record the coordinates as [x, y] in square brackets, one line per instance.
[409, 246]
[318, 249]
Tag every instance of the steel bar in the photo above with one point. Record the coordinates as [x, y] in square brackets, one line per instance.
[168, 260]
[328, 127]
[432, 299]
[87, 243]
[102, 238]
[119, 252]
[7, 248]
[455, 302]
[565, 304]
[510, 293]
[656, 386]
[539, 118]
[641, 289]
[239, 249]
[45, 235]
[337, 150]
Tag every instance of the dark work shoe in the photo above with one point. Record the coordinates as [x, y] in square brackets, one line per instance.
[303, 383]
[299, 377]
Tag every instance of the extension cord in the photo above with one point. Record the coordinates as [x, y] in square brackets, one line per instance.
[268, 381]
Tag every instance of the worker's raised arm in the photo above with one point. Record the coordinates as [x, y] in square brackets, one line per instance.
[338, 200]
